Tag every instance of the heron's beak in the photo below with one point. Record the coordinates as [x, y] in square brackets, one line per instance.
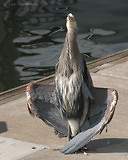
[71, 22]
[69, 18]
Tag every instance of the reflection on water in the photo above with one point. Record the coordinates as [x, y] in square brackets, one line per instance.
[32, 34]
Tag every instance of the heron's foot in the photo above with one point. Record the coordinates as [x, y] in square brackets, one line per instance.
[82, 150]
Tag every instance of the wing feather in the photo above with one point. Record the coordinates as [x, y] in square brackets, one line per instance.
[42, 103]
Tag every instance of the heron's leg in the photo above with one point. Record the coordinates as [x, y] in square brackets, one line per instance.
[73, 128]
[69, 133]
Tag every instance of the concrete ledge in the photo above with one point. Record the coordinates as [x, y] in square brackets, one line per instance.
[11, 149]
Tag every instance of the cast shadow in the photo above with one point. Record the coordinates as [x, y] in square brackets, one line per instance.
[108, 145]
[3, 127]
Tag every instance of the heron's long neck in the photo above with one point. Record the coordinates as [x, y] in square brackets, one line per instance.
[72, 38]
[70, 57]
[71, 43]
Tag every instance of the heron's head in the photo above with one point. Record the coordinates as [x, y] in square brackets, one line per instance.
[71, 22]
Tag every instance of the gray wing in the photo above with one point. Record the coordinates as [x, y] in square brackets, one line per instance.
[42, 103]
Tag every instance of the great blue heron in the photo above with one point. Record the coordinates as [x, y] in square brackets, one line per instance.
[73, 106]
[73, 81]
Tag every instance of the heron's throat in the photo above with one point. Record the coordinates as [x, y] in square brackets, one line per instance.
[69, 49]
[71, 43]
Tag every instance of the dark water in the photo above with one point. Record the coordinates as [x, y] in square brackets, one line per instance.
[32, 34]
